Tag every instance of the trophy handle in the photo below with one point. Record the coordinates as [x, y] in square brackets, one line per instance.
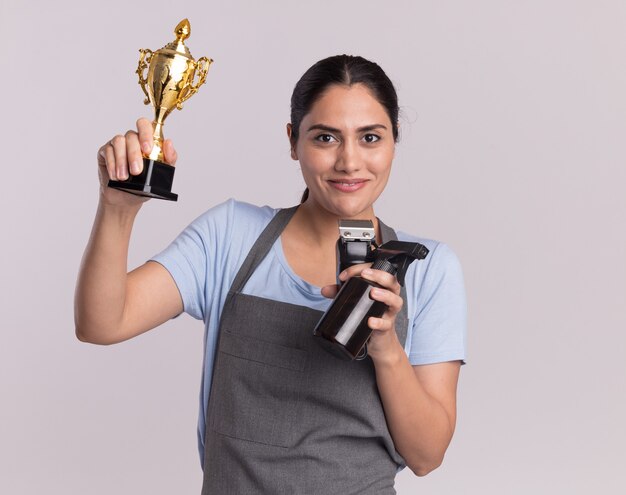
[144, 63]
[202, 65]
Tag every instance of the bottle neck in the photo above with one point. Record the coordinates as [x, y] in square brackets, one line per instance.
[385, 266]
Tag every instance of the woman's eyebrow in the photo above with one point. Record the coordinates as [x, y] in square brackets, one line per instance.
[322, 127]
[371, 127]
[327, 128]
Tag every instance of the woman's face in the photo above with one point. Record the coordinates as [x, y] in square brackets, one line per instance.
[345, 148]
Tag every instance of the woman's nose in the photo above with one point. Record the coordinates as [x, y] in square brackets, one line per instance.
[348, 160]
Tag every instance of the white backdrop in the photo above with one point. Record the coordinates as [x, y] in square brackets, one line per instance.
[512, 151]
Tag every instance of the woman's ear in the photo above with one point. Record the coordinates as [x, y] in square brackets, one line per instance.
[292, 144]
[397, 139]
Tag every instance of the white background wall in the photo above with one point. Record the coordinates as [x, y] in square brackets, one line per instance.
[512, 151]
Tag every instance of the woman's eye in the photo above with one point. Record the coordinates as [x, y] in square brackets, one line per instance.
[324, 138]
[371, 138]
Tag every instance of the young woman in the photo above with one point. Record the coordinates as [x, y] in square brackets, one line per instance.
[279, 414]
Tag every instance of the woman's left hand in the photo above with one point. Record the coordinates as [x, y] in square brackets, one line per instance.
[383, 343]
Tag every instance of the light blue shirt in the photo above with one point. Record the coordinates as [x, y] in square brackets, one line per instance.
[205, 258]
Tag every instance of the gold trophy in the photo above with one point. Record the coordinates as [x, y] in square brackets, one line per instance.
[173, 77]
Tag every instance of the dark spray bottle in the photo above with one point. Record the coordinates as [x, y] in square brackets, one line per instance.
[343, 329]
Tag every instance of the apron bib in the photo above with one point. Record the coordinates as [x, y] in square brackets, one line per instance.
[284, 415]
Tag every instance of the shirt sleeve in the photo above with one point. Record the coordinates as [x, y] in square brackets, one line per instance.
[193, 257]
[439, 327]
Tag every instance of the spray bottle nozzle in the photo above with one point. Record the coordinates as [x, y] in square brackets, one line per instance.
[395, 257]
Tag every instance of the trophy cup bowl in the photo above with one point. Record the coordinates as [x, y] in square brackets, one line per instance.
[173, 77]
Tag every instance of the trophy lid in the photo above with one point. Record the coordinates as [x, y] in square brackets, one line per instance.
[182, 32]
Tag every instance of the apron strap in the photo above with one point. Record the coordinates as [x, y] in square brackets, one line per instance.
[261, 247]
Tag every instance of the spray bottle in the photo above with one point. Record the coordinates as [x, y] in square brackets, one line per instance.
[343, 328]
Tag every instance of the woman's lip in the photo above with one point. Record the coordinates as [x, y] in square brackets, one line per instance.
[347, 185]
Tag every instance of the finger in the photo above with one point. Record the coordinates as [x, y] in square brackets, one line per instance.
[385, 279]
[145, 130]
[109, 160]
[133, 152]
[330, 291]
[381, 324]
[102, 155]
[353, 270]
[121, 163]
[393, 301]
[169, 152]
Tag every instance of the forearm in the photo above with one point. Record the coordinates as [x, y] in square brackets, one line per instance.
[101, 288]
[419, 425]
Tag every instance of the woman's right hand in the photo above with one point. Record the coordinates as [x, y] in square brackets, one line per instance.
[121, 156]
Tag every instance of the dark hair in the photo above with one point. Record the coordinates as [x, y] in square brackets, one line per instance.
[343, 70]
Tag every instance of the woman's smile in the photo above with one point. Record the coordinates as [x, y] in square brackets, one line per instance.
[348, 185]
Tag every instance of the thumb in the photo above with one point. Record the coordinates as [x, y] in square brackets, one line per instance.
[169, 152]
[330, 291]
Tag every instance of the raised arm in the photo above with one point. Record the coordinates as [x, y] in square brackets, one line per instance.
[110, 304]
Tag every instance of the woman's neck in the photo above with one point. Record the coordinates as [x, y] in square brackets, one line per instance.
[321, 226]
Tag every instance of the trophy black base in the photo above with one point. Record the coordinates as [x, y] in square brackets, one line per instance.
[154, 181]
